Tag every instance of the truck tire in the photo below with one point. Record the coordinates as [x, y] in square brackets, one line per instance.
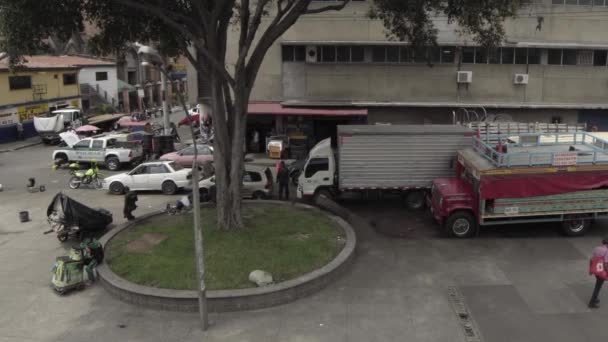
[117, 188]
[112, 163]
[169, 188]
[322, 192]
[414, 200]
[461, 224]
[574, 226]
[61, 159]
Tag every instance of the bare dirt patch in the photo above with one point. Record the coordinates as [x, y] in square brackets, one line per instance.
[146, 242]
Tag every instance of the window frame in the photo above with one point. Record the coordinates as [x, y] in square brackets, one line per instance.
[14, 84]
[70, 76]
[99, 76]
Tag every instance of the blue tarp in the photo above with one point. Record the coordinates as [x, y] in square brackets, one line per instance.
[8, 133]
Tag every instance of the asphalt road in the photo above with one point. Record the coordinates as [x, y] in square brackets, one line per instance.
[520, 283]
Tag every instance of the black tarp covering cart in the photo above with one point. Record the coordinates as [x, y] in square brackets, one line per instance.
[69, 217]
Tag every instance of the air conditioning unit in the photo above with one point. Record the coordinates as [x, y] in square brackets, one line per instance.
[520, 79]
[465, 77]
[311, 54]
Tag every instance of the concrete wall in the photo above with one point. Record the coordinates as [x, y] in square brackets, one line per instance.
[563, 24]
[109, 86]
[492, 83]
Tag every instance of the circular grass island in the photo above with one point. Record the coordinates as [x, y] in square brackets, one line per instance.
[287, 241]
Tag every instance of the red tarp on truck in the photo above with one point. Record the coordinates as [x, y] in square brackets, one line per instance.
[519, 186]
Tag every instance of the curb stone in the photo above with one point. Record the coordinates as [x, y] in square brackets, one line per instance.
[231, 300]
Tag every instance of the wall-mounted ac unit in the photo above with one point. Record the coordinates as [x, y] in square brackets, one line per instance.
[465, 77]
[311, 54]
[520, 79]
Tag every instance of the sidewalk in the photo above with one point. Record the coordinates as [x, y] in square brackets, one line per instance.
[17, 145]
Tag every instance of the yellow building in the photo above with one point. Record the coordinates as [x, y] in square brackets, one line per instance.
[40, 85]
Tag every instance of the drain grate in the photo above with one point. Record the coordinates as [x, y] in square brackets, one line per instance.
[471, 332]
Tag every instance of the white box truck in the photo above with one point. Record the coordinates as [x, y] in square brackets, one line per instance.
[374, 159]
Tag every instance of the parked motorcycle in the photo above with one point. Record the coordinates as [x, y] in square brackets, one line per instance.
[90, 176]
[67, 218]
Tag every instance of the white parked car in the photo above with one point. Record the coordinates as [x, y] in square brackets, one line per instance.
[257, 183]
[166, 176]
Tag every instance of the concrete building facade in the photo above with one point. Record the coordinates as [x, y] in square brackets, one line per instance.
[552, 67]
[42, 84]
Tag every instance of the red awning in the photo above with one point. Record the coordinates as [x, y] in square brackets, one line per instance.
[275, 108]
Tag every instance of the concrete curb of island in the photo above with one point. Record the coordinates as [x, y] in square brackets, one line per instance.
[231, 300]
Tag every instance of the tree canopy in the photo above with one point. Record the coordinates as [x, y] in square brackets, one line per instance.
[204, 25]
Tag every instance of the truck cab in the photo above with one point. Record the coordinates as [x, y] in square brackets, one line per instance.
[453, 199]
[58, 121]
[317, 176]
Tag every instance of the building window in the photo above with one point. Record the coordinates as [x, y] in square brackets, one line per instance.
[468, 55]
[569, 57]
[378, 54]
[585, 57]
[599, 3]
[101, 76]
[357, 54]
[507, 55]
[577, 2]
[554, 56]
[288, 53]
[533, 56]
[447, 54]
[328, 54]
[19, 82]
[392, 54]
[69, 79]
[294, 53]
[576, 57]
[599, 57]
[343, 54]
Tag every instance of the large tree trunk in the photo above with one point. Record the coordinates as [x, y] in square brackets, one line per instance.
[229, 124]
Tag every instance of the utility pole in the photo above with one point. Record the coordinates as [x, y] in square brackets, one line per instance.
[201, 290]
[198, 229]
[163, 90]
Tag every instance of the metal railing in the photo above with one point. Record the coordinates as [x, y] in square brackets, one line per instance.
[595, 149]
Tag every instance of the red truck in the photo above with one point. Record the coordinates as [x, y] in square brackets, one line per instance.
[549, 177]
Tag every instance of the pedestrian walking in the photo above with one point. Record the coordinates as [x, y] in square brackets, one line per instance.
[130, 206]
[19, 131]
[283, 180]
[597, 267]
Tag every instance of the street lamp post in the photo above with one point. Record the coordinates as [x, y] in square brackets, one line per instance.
[152, 57]
[196, 202]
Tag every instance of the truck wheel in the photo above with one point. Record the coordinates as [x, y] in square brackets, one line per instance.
[322, 192]
[575, 226]
[258, 195]
[61, 159]
[112, 163]
[117, 188]
[414, 200]
[461, 224]
[169, 188]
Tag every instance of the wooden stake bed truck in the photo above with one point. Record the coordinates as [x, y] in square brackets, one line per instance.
[550, 177]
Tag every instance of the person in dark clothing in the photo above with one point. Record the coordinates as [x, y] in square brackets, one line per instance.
[283, 180]
[130, 206]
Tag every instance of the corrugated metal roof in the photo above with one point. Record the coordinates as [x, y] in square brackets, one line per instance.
[403, 129]
[58, 62]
